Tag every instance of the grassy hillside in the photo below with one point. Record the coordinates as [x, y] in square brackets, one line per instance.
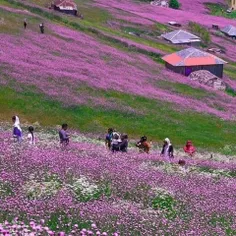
[93, 74]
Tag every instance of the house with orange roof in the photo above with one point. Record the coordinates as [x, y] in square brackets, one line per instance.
[191, 59]
[65, 6]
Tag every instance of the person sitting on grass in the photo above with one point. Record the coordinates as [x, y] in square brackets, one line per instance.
[108, 138]
[124, 143]
[167, 150]
[143, 145]
[31, 136]
[189, 148]
[17, 132]
[64, 137]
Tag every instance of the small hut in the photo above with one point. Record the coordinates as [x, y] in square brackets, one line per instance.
[191, 59]
[65, 6]
[229, 31]
[182, 37]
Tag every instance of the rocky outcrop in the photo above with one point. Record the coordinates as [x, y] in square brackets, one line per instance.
[207, 78]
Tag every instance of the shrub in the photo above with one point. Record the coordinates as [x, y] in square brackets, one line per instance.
[230, 91]
[200, 31]
[229, 150]
[174, 4]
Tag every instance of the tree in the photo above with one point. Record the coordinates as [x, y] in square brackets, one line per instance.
[174, 4]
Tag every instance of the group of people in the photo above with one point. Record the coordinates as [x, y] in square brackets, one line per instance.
[17, 131]
[116, 142]
[41, 26]
[18, 134]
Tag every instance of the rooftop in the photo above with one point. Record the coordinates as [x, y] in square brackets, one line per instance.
[181, 36]
[230, 30]
[192, 57]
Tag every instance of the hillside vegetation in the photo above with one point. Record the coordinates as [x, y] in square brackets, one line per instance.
[93, 74]
[107, 71]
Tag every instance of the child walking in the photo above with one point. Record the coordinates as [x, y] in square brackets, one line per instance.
[31, 136]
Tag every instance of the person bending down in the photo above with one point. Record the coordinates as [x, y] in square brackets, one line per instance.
[143, 145]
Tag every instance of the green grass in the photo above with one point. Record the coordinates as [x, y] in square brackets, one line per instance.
[12, 23]
[201, 31]
[230, 92]
[224, 222]
[183, 89]
[220, 10]
[154, 118]
[94, 26]
[230, 71]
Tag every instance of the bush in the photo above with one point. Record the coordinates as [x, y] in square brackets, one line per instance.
[230, 91]
[200, 31]
[174, 4]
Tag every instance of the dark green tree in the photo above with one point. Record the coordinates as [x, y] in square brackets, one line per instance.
[174, 4]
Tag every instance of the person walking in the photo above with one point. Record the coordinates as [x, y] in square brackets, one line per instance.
[63, 135]
[25, 23]
[124, 143]
[108, 138]
[167, 150]
[41, 26]
[31, 136]
[17, 131]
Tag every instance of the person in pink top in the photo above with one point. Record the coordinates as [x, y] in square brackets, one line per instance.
[189, 148]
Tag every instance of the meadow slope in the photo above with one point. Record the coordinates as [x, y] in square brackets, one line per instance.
[89, 73]
[86, 189]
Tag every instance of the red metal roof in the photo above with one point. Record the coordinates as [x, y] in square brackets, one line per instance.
[192, 57]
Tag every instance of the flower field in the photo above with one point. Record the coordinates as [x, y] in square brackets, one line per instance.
[86, 190]
[194, 12]
[106, 71]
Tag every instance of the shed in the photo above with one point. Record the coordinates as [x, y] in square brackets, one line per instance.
[65, 6]
[191, 59]
[229, 31]
[181, 37]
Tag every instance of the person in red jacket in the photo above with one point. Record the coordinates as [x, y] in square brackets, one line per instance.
[189, 148]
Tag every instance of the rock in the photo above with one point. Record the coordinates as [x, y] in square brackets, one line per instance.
[207, 78]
